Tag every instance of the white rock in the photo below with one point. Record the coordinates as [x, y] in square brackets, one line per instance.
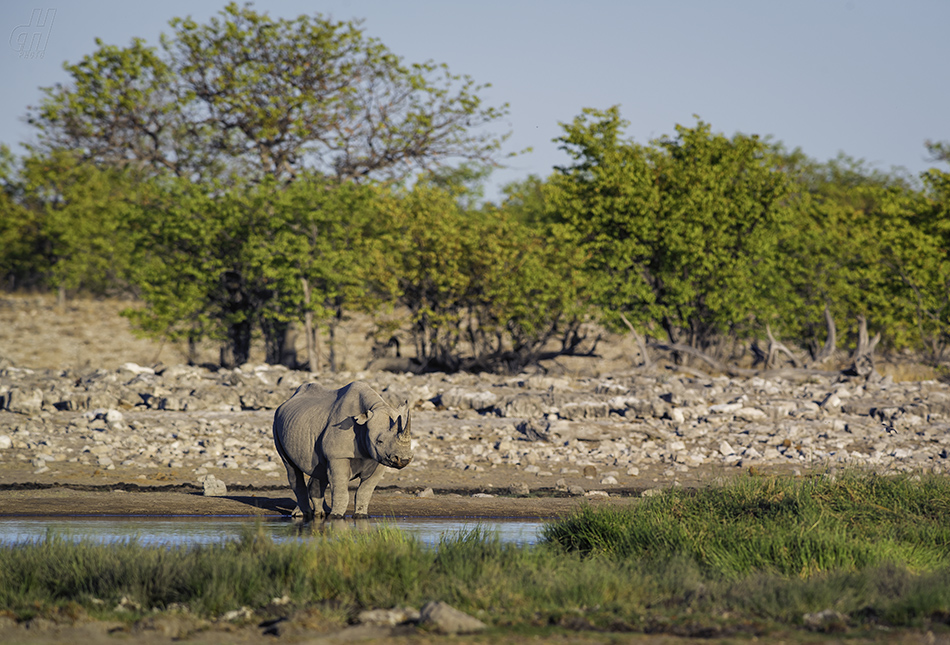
[725, 408]
[243, 613]
[750, 414]
[597, 494]
[137, 369]
[633, 471]
[609, 480]
[5, 442]
[113, 416]
[725, 449]
[831, 402]
[214, 487]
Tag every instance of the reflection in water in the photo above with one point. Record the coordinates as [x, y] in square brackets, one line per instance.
[183, 531]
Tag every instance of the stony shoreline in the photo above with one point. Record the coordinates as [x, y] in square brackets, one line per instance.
[578, 435]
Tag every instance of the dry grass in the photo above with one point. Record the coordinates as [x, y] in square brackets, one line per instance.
[91, 333]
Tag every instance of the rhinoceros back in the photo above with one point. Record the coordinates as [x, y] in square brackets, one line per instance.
[301, 420]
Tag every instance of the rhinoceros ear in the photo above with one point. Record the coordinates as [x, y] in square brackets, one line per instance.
[363, 419]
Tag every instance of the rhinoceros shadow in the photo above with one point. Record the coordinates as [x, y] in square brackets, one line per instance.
[282, 505]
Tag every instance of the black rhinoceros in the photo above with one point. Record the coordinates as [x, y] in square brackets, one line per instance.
[335, 436]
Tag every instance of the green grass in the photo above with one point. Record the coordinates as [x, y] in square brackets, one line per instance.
[778, 525]
[750, 557]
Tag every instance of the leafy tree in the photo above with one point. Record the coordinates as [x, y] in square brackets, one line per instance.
[326, 230]
[257, 96]
[524, 201]
[860, 247]
[482, 291]
[605, 203]
[229, 263]
[933, 303]
[20, 261]
[247, 99]
[185, 239]
[80, 221]
[679, 234]
[715, 261]
[528, 290]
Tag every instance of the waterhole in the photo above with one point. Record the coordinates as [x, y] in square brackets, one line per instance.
[185, 531]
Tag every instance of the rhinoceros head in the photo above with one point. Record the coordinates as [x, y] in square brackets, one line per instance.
[388, 434]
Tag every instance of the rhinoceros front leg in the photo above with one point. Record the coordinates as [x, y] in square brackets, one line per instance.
[365, 491]
[339, 472]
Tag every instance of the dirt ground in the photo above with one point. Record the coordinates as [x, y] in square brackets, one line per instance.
[56, 500]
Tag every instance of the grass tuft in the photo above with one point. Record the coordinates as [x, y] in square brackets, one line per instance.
[778, 525]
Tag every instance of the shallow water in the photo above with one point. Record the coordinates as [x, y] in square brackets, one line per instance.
[195, 530]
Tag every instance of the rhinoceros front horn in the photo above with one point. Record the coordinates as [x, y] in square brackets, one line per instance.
[405, 435]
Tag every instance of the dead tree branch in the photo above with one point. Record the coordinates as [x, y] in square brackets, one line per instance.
[830, 341]
[641, 343]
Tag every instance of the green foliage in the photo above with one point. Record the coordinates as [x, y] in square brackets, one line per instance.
[263, 97]
[792, 528]
[229, 263]
[21, 241]
[681, 233]
[861, 244]
[605, 203]
[475, 278]
[524, 201]
[75, 220]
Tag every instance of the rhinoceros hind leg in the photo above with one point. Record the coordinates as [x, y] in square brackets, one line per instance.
[298, 482]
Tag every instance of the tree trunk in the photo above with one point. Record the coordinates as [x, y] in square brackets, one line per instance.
[774, 348]
[313, 348]
[276, 334]
[830, 341]
[863, 357]
[192, 350]
[332, 333]
[237, 347]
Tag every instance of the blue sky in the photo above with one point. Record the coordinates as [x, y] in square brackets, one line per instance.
[867, 78]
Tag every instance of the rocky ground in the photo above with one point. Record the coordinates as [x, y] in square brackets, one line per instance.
[485, 444]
